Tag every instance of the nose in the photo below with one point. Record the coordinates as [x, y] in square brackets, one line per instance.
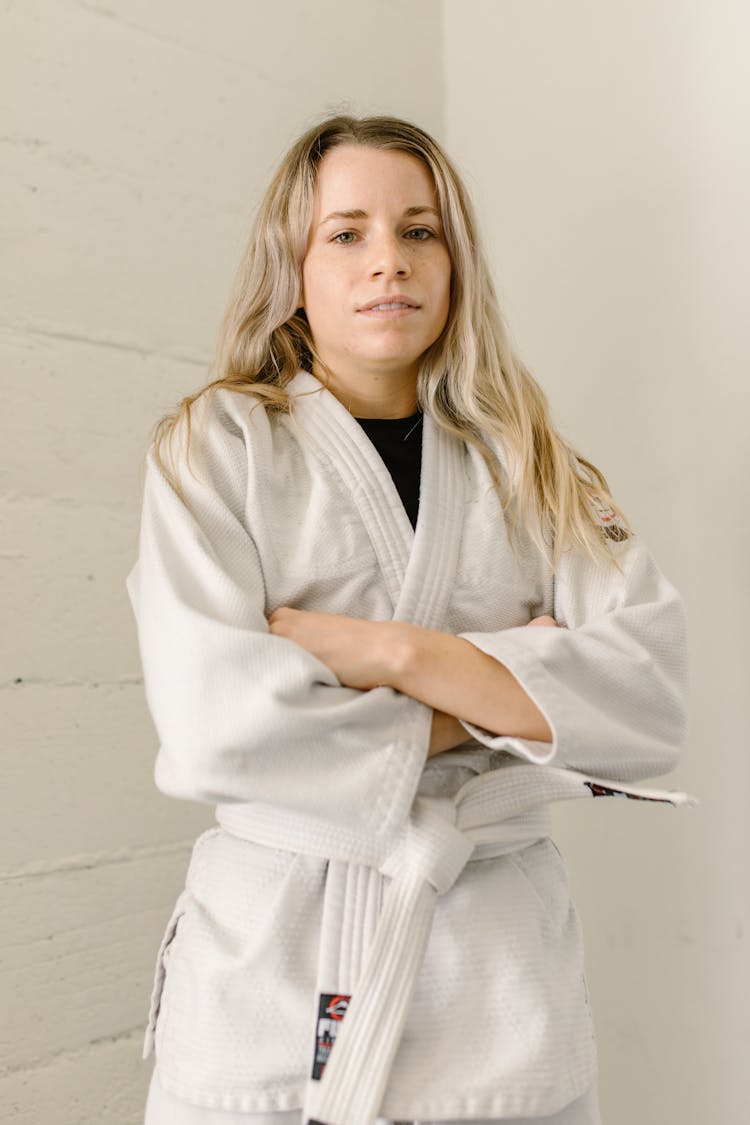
[389, 257]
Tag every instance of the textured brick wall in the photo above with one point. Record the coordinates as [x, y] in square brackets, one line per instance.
[135, 143]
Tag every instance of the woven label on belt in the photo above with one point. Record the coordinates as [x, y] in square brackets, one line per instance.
[331, 1011]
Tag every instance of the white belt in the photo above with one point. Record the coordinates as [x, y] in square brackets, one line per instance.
[373, 937]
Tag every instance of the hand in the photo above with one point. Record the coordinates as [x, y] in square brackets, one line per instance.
[545, 620]
[355, 649]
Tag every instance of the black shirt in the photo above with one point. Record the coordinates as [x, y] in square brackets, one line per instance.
[399, 443]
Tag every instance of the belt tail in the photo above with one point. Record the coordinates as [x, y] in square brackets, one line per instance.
[356, 1074]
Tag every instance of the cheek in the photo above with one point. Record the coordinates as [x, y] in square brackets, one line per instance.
[308, 283]
[442, 271]
[314, 290]
[444, 288]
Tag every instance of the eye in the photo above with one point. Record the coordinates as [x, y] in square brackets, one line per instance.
[421, 231]
[341, 235]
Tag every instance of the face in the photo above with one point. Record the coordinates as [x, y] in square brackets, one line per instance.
[388, 248]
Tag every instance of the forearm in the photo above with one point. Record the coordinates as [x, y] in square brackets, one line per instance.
[446, 733]
[445, 672]
[452, 675]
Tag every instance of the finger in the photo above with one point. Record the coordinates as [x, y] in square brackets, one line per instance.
[545, 620]
[281, 613]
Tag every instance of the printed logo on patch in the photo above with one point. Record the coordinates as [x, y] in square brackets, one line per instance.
[609, 521]
[332, 1008]
[598, 790]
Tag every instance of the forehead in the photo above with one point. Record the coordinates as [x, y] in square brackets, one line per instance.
[355, 176]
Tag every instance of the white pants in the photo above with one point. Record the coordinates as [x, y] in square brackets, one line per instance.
[163, 1108]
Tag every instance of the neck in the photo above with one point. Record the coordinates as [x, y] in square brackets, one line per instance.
[373, 396]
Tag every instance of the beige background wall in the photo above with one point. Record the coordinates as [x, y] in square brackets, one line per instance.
[607, 144]
[137, 139]
[603, 142]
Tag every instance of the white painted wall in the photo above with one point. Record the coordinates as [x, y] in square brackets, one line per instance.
[137, 137]
[607, 148]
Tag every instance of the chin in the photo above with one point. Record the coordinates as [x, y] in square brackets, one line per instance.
[394, 353]
[395, 361]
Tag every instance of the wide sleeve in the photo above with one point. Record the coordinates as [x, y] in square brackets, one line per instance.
[242, 714]
[612, 683]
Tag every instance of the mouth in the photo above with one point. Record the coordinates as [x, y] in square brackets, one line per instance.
[392, 309]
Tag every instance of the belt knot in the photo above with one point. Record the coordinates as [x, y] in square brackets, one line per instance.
[431, 847]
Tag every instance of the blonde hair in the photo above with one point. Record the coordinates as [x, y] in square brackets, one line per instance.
[470, 380]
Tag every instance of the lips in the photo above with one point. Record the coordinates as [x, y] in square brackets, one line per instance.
[395, 299]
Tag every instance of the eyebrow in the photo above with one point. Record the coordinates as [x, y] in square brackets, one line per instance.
[418, 209]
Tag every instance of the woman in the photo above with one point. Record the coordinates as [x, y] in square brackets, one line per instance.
[344, 540]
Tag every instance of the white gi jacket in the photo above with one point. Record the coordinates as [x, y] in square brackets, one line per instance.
[344, 863]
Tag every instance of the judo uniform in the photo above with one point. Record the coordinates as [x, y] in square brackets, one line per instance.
[367, 932]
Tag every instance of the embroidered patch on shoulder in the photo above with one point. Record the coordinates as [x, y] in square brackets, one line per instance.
[332, 1008]
[609, 521]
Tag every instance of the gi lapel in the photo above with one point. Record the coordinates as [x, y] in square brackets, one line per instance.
[418, 566]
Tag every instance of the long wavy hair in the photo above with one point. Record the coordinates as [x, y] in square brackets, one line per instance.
[470, 379]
